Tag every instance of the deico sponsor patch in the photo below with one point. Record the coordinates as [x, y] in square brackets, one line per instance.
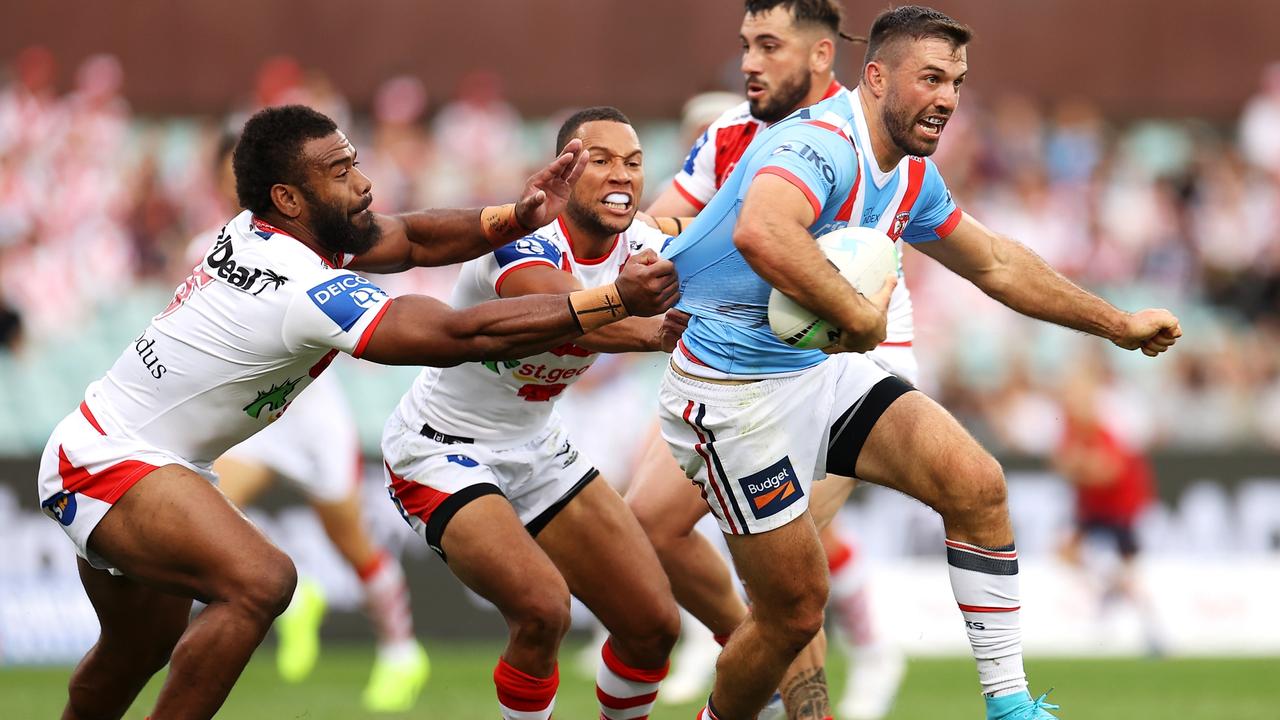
[346, 298]
[772, 489]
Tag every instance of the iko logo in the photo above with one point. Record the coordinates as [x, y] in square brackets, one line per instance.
[345, 298]
[773, 489]
[237, 275]
[813, 157]
[61, 507]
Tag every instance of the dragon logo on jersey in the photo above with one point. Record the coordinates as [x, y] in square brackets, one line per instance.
[241, 276]
[61, 507]
[271, 400]
[773, 489]
[493, 365]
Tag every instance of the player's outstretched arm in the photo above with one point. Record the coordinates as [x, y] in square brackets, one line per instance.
[773, 236]
[418, 330]
[1010, 272]
[444, 237]
[635, 334]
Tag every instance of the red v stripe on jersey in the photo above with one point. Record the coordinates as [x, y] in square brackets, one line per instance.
[915, 180]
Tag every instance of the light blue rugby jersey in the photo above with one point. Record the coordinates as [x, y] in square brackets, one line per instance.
[815, 150]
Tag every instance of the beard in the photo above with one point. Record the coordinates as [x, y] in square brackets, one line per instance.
[585, 217]
[786, 99]
[901, 124]
[339, 231]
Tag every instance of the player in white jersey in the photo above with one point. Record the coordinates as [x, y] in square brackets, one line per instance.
[315, 448]
[756, 421]
[480, 465]
[126, 475]
[789, 50]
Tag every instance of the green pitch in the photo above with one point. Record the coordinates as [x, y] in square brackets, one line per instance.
[461, 689]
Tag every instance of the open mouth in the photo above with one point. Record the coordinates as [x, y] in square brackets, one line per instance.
[617, 202]
[932, 124]
[364, 205]
[755, 89]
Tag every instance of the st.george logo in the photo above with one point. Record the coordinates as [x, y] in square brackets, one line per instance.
[271, 400]
[773, 489]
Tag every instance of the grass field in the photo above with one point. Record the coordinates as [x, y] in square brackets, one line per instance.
[461, 689]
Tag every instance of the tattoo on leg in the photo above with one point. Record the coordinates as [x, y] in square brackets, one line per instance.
[805, 697]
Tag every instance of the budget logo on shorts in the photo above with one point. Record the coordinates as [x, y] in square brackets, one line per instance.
[773, 489]
[61, 507]
[345, 298]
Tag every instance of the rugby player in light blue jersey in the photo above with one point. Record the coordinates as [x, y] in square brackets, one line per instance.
[755, 421]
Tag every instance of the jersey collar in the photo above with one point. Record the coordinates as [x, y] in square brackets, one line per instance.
[265, 230]
[564, 230]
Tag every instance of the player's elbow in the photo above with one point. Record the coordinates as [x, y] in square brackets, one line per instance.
[752, 241]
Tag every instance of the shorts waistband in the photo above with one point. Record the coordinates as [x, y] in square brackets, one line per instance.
[444, 438]
[714, 381]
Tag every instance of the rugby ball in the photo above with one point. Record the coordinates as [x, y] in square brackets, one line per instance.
[864, 256]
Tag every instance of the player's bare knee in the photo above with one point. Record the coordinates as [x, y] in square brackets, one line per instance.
[975, 485]
[268, 588]
[540, 617]
[796, 616]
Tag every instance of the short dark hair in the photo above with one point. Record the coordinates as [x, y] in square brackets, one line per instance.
[826, 13]
[270, 152]
[584, 116]
[915, 22]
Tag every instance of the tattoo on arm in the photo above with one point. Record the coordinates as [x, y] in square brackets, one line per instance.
[805, 696]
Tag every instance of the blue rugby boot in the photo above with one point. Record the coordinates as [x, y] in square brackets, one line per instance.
[1020, 706]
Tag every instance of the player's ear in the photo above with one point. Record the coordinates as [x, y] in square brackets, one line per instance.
[287, 199]
[874, 77]
[822, 56]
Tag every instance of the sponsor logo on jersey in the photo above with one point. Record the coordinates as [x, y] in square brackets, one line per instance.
[530, 246]
[249, 279]
[462, 460]
[61, 507]
[271, 400]
[542, 373]
[345, 298]
[773, 489]
[811, 156]
[144, 347]
[570, 455]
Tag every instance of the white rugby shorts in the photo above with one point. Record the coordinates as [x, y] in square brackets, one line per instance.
[314, 445]
[431, 475]
[756, 448]
[85, 469]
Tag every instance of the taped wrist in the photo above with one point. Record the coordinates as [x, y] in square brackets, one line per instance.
[500, 224]
[596, 307]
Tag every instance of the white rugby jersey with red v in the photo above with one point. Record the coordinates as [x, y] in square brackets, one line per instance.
[259, 318]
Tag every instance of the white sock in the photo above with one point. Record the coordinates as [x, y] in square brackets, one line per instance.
[985, 584]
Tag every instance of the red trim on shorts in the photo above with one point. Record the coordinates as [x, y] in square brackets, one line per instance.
[497, 284]
[895, 343]
[706, 461]
[626, 672]
[88, 415]
[107, 485]
[983, 609]
[416, 499]
[697, 204]
[368, 332]
[949, 224]
[520, 691]
[791, 178]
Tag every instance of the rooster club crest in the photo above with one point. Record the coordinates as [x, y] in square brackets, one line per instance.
[899, 224]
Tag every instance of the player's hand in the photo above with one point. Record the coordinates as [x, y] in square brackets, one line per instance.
[648, 284]
[673, 326]
[868, 339]
[1152, 331]
[547, 192]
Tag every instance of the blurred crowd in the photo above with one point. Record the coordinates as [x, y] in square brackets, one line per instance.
[97, 202]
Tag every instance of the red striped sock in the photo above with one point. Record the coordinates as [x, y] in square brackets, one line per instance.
[386, 597]
[985, 583]
[625, 692]
[522, 696]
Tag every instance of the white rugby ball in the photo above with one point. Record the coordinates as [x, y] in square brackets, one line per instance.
[864, 256]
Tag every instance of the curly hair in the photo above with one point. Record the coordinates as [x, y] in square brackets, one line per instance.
[270, 152]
